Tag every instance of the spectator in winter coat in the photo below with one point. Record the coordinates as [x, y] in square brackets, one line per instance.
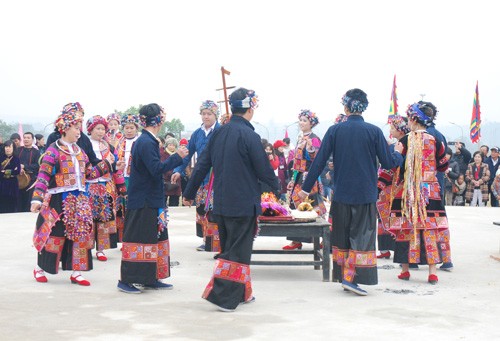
[477, 177]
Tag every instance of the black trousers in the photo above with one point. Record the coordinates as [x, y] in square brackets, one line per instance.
[24, 203]
[354, 231]
[236, 238]
[7, 204]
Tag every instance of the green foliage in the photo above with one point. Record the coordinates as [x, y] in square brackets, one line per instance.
[132, 110]
[6, 130]
[174, 126]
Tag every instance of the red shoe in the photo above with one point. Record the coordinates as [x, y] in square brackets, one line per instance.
[385, 255]
[405, 276]
[293, 246]
[433, 279]
[41, 276]
[79, 280]
[101, 256]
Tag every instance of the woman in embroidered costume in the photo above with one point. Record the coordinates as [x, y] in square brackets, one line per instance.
[64, 225]
[113, 134]
[417, 213]
[130, 125]
[387, 189]
[104, 191]
[305, 152]
[146, 249]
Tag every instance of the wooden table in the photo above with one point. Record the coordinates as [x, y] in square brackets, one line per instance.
[314, 230]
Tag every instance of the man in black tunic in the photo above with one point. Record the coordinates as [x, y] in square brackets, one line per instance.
[239, 161]
[355, 146]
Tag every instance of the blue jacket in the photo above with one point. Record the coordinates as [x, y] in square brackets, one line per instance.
[145, 188]
[354, 146]
[197, 144]
[239, 161]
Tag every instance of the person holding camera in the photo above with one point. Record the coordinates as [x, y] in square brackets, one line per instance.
[451, 174]
[462, 156]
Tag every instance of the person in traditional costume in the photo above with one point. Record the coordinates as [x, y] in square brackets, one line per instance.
[206, 227]
[387, 189]
[239, 162]
[10, 168]
[417, 212]
[130, 125]
[444, 235]
[104, 191]
[113, 133]
[307, 147]
[64, 226]
[83, 142]
[354, 147]
[146, 248]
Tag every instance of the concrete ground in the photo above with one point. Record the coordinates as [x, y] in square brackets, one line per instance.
[292, 302]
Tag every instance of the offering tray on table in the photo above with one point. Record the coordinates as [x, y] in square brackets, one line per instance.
[276, 219]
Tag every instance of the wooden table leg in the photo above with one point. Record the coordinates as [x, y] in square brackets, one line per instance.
[316, 252]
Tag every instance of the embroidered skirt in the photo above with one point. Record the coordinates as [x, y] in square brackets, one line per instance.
[102, 198]
[145, 249]
[63, 233]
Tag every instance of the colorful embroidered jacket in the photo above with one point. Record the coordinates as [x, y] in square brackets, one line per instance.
[58, 173]
[124, 154]
[104, 151]
[302, 157]
[433, 160]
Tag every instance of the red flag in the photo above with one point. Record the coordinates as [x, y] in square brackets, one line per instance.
[475, 122]
[393, 110]
[286, 133]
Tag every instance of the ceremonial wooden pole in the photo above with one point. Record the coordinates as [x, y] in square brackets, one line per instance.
[227, 115]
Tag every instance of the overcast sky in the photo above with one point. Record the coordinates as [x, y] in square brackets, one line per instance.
[295, 54]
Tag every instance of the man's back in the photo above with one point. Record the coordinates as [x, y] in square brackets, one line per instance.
[238, 161]
[355, 146]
